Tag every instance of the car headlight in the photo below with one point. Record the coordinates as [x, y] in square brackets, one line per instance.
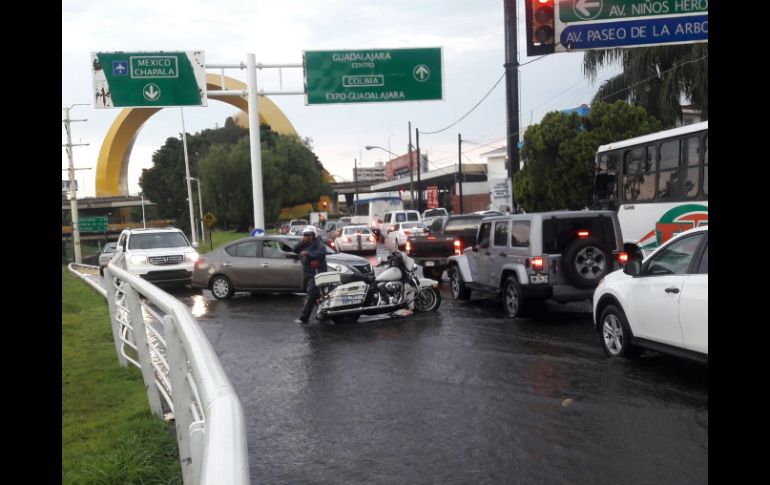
[191, 256]
[339, 267]
[138, 259]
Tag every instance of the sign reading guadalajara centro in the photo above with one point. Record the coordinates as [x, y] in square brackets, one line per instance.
[148, 79]
[373, 75]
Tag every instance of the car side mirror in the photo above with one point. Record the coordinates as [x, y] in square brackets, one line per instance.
[634, 268]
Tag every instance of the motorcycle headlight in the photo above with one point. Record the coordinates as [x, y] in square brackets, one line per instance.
[339, 267]
[191, 256]
[138, 259]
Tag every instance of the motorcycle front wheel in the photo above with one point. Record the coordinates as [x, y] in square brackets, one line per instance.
[428, 300]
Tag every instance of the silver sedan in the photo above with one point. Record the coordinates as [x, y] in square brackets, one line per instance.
[263, 264]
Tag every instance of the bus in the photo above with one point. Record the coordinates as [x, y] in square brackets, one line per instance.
[658, 183]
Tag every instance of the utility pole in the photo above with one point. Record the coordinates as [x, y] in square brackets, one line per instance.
[144, 223]
[73, 187]
[460, 168]
[200, 203]
[419, 169]
[355, 184]
[512, 92]
[411, 170]
[189, 186]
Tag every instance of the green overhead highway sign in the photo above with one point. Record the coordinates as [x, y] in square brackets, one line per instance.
[588, 10]
[93, 224]
[373, 75]
[148, 79]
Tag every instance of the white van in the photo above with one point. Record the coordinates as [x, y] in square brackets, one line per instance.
[396, 217]
[371, 209]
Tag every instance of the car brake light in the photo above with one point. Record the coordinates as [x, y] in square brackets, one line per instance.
[458, 245]
[201, 261]
[583, 234]
[392, 227]
[408, 233]
[537, 263]
[331, 243]
[408, 247]
[623, 257]
[371, 239]
[347, 239]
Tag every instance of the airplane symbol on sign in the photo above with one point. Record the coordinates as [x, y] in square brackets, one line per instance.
[119, 68]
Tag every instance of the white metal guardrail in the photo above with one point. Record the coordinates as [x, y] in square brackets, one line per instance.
[182, 375]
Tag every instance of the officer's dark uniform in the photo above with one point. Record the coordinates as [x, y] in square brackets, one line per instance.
[312, 264]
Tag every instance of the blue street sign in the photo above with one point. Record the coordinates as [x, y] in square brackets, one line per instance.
[646, 31]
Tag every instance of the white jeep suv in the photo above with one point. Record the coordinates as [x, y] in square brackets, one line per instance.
[158, 255]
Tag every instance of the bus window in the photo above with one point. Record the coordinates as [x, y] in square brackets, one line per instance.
[607, 181]
[639, 174]
[679, 169]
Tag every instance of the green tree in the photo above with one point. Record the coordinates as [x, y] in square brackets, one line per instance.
[560, 151]
[657, 78]
[291, 175]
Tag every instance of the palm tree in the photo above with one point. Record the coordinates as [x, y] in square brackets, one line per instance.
[657, 78]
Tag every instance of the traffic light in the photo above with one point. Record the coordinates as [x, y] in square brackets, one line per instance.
[325, 204]
[540, 27]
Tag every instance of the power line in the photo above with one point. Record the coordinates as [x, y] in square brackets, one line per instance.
[469, 112]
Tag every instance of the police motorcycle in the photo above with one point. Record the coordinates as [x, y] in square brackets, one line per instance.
[345, 297]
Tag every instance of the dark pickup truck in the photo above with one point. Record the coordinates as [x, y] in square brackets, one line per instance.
[448, 236]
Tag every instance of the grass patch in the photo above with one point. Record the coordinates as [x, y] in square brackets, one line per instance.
[108, 433]
[220, 238]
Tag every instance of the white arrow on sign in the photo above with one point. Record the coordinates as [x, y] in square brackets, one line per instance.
[582, 6]
[151, 92]
[421, 72]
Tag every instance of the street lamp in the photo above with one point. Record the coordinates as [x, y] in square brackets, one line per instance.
[411, 170]
[200, 202]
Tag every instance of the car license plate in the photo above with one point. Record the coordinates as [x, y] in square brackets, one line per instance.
[429, 263]
[538, 279]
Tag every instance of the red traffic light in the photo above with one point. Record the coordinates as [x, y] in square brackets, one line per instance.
[542, 21]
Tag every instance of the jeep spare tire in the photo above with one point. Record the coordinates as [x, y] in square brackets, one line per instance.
[585, 262]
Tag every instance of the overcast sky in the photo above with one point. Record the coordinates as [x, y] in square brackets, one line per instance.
[470, 33]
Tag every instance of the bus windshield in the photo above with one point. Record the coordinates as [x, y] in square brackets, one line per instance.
[658, 183]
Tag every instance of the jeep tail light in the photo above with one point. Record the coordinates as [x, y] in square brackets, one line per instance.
[371, 239]
[458, 245]
[537, 263]
[392, 227]
[583, 234]
[347, 239]
[622, 257]
[408, 247]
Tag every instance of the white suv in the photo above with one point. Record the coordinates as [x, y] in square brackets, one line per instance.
[158, 255]
[660, 303]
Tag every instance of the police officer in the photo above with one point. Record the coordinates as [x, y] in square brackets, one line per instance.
[312, 251]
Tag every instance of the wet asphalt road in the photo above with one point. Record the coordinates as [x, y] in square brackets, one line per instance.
[458, 396]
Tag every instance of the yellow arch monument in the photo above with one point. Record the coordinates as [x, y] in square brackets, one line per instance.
[112, 165]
